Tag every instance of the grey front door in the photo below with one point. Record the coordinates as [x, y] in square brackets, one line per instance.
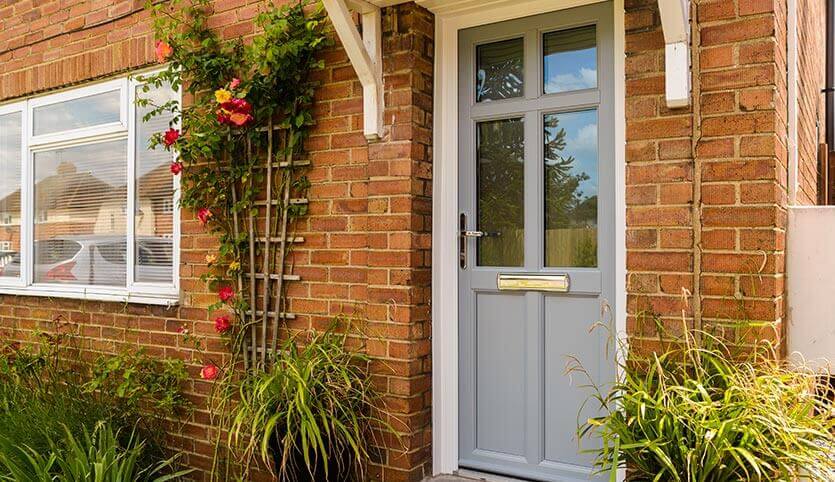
[537, 212]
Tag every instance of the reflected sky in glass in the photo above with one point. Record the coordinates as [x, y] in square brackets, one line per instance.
[581, 143]
[10, 134]
[570, 60]
[87, 111]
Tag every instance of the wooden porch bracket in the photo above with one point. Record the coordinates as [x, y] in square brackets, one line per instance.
[675, 21]
[365, 53]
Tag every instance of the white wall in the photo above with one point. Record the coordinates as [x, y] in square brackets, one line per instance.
[810, 266]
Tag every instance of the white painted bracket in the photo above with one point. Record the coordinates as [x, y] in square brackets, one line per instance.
[675, 21]
[365, 53]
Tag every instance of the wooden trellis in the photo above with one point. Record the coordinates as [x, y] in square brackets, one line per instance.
[264, 282]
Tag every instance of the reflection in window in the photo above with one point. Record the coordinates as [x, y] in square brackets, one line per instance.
[154, 218]
[10, 145]
[499, 67]
[80, 195]
[571, 187]
[500, 160]
[570, 61]
[92, 110]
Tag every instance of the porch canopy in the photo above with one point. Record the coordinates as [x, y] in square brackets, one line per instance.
[365, 50]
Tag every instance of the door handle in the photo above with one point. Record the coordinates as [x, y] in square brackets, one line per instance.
[479, 234]
[464, 234]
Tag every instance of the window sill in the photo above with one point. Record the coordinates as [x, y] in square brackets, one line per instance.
[170, 298]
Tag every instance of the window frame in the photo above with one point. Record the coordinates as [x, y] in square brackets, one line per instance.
[124, 130]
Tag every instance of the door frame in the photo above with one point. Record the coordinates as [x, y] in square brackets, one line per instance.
[448, 22]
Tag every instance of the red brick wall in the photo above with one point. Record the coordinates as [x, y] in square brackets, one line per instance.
[367, 236]
[811, 109]
[706, 186]
[659, 182]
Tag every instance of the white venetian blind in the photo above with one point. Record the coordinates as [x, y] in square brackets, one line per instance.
[80, 214]
[154, 217]
[10, 140]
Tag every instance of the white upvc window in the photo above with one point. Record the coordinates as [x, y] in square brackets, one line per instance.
[87, 210]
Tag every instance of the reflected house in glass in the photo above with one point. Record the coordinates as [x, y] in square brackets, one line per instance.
[154, 207]
[9, 227]
[65, 204]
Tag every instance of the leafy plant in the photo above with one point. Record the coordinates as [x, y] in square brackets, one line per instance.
[703, 411]
[95, 455]
[237, 92]
[315, 407]
[132, 378]
[47, 402]
[41, 395]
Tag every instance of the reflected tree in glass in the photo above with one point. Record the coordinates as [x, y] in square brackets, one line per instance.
[499, 70]
[570, 200]
[500, 162]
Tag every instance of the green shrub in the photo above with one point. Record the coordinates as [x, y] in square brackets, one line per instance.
[50, 397]
[41, 396]
[95, 455]
[139, 387]
[702, 411]
[314, 407]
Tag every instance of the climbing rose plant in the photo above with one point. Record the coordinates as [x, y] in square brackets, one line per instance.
[233, 91]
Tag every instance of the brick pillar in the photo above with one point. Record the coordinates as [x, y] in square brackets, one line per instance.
[399, 238]
[367, 249]
[742, 156]
[706, 186]
[659, 184]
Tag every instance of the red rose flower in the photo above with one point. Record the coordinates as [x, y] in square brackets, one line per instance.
[235, 83]
[240, 106]
[163, 50]
[239, 119]
[235, 111]
[226, 293]
[204, 214]
[170, 137]
[209, 372]
[176, 168]
[222, 324]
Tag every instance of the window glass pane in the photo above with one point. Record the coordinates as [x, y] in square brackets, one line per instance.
[10, 138]
[570, 59]
[154, 194]
[80, 214]
[500, 192]
[571, 189]
[87, 111]
[499, 67]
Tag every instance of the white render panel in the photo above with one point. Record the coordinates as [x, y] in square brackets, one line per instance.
[810, 260]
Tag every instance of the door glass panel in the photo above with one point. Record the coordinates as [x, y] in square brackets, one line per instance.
[570, 60]
[500, 192]
[499, 68]
[571, 183]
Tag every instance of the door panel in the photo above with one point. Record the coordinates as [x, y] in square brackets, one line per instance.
[569, 322]
[536, 196]
[499, 388]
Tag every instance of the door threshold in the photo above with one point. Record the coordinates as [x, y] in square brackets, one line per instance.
[486, 476]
